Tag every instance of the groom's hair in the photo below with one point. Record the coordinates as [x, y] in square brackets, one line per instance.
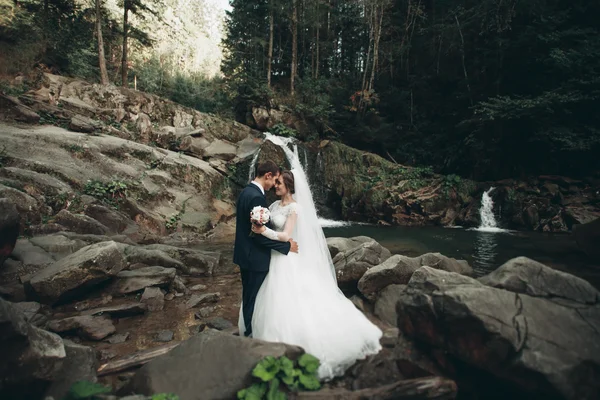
[267, 166]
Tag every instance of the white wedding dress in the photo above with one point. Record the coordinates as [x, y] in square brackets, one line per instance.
[299, 302]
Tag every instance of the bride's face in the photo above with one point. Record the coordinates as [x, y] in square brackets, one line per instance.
[280, 189]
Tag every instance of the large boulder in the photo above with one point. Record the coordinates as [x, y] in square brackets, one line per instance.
[80, 365]
[87, 326]
[210, 365]
[73, 274]
[341, 244]
[80, 223]
[141, 278]
[526, 276]
[31, 357]
[351, 265]
[385, 306]
[587, 237]
[537, 345]
[398, 269]
[9, 228]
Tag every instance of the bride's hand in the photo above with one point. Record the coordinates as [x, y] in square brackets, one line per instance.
[258, 229]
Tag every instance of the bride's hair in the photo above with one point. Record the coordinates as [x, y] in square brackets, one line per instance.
[288, 180]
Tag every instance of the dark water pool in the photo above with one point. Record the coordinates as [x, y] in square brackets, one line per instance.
[485, 251]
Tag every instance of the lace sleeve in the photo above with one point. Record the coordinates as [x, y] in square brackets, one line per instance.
[290, 223]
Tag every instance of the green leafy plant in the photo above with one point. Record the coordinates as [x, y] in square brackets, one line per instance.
[111, 192]
[85, 390]
[273, 372]
[282, 130]
[164, 396]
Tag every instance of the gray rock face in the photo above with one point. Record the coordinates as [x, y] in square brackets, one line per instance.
[80, 223]
[115, 221]
[87, 267]
[526, 276]
[58, 244]
[152, 256]
[351, 265]
[537, 344]
[31, 357]
[80, 365]
[87, 326]
[153, 298]
[398, 269]
[210, 365]
[140, 279]
[385, 306]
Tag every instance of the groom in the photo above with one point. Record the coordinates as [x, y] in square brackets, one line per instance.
[253, 253]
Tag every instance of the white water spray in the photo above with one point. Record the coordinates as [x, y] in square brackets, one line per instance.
[486, 214]
[251, 172]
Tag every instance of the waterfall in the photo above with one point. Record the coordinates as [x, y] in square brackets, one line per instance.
[252, 170]
[486, 214]
[294, 159]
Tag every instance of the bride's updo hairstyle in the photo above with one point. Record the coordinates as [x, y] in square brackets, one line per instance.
[288, 181]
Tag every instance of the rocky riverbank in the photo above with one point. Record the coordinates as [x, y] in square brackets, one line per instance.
[109, 308]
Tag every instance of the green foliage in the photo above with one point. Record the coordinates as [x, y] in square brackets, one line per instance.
[282, 130]
[82, 390]
[272, 372]
[112, 192]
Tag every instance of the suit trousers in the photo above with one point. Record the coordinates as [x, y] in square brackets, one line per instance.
[251, 283]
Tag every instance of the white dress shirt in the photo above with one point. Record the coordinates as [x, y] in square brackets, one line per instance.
[262, 190]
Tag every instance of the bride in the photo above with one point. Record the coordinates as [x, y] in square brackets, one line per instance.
[299, 302]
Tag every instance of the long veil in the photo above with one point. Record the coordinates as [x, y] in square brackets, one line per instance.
[310, 237]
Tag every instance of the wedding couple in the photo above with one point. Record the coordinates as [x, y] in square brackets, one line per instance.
[290, 292]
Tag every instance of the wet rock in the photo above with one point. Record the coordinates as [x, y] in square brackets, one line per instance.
[178, 285]
[140, 279]
[85, 268]
[198, 288]
[87, 326]
[153, 298]
[398, 269]
[200, 299]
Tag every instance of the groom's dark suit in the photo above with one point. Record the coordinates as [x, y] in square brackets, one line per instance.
[252, 253]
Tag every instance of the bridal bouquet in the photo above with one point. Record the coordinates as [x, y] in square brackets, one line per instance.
[259, 216]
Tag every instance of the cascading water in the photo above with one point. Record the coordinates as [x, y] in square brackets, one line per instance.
[294, 159]
[252, 170]
[486, 214]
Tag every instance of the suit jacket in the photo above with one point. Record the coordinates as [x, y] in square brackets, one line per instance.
[253, 252]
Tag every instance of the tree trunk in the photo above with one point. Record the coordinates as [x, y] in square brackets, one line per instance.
[318, 32]
[378, 23]
[270, 61]
[101, 59]
[294, 45]
[124, 58]
[462, 40]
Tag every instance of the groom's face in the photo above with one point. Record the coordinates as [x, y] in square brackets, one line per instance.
[270, 180]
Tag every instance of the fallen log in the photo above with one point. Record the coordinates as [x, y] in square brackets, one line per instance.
[134, 360]
[422, 388]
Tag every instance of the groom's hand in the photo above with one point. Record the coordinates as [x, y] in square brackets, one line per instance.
[293, 246]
